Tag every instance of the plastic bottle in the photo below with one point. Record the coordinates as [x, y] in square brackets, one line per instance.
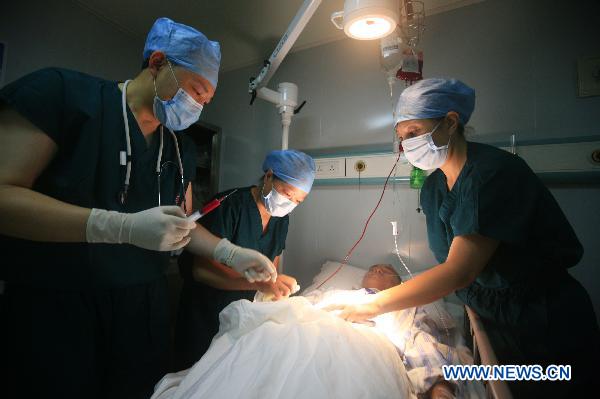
[390, 57]
[417, 177]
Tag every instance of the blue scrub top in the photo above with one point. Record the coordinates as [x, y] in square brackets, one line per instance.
[497, 195]
[238, 220]
[83, 115]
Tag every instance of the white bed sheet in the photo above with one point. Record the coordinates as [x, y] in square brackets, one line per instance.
[290, 349]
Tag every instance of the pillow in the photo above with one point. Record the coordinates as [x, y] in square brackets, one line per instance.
[348, 278]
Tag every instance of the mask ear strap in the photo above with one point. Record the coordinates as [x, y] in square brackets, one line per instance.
[173, 73]
[436, 126]
[272, 176]
[262, 188]
[154, 83]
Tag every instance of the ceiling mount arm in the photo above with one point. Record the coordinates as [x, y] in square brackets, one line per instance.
[286, 42]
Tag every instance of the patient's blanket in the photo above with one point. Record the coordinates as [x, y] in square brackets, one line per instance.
[291, 349]
[425, 336]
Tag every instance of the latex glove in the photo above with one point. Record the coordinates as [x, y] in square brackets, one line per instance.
[163, 228]
[355, 313]
[250, 263]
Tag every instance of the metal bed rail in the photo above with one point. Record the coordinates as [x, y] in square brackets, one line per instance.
[484, 354]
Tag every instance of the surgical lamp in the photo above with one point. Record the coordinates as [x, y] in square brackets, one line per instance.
[361, 19]
[367, 19]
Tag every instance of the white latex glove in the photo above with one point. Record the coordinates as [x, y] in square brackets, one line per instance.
[163, 228]
[250, 263]
[295, 289]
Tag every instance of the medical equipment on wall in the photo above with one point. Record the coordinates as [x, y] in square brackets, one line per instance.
[209, 207]
[362, 19]
[125, 158]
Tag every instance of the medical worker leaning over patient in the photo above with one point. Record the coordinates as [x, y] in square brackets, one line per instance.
[90, 227]
[502, 242]
[254, 217]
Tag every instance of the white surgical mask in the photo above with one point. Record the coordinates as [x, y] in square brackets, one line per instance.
[422, 152]
[277, 205]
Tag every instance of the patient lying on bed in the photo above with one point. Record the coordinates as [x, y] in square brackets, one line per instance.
[424, 348]
[292, 348]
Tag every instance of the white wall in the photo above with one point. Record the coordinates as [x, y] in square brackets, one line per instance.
[327, 226]
[519, 55]
[61, 33]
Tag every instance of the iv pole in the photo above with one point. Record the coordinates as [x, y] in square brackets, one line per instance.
[286, 96]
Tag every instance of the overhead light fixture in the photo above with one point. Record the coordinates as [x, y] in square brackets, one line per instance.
[367, 19]
[362, 19]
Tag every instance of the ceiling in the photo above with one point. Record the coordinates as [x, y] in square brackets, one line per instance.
[248, 30]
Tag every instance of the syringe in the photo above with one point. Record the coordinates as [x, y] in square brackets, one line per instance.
[209, 207]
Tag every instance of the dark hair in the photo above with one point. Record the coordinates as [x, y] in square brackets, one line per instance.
[460, 129]
[146, 63]
[260, 179]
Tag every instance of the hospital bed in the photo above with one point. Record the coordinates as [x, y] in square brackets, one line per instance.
[238, 353]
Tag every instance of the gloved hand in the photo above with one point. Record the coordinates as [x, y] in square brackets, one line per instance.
[163, 228]
[250, 263]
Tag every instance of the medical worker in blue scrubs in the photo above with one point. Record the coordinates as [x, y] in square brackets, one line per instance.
[254, 217]
[503, 244]
[93, 180]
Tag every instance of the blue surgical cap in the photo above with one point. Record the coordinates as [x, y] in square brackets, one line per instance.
[293, 167]
[186, 47]
[434, 98]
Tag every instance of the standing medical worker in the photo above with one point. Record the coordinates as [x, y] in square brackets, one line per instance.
[503, 244]
[93, 180]
[255, 217]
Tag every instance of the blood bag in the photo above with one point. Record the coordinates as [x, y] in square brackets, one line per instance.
[412, 66]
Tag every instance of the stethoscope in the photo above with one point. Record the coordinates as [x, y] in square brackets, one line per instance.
[125, 156]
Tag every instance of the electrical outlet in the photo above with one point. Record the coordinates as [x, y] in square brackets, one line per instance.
[328, 168]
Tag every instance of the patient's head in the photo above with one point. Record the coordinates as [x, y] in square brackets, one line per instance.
[381, 277]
